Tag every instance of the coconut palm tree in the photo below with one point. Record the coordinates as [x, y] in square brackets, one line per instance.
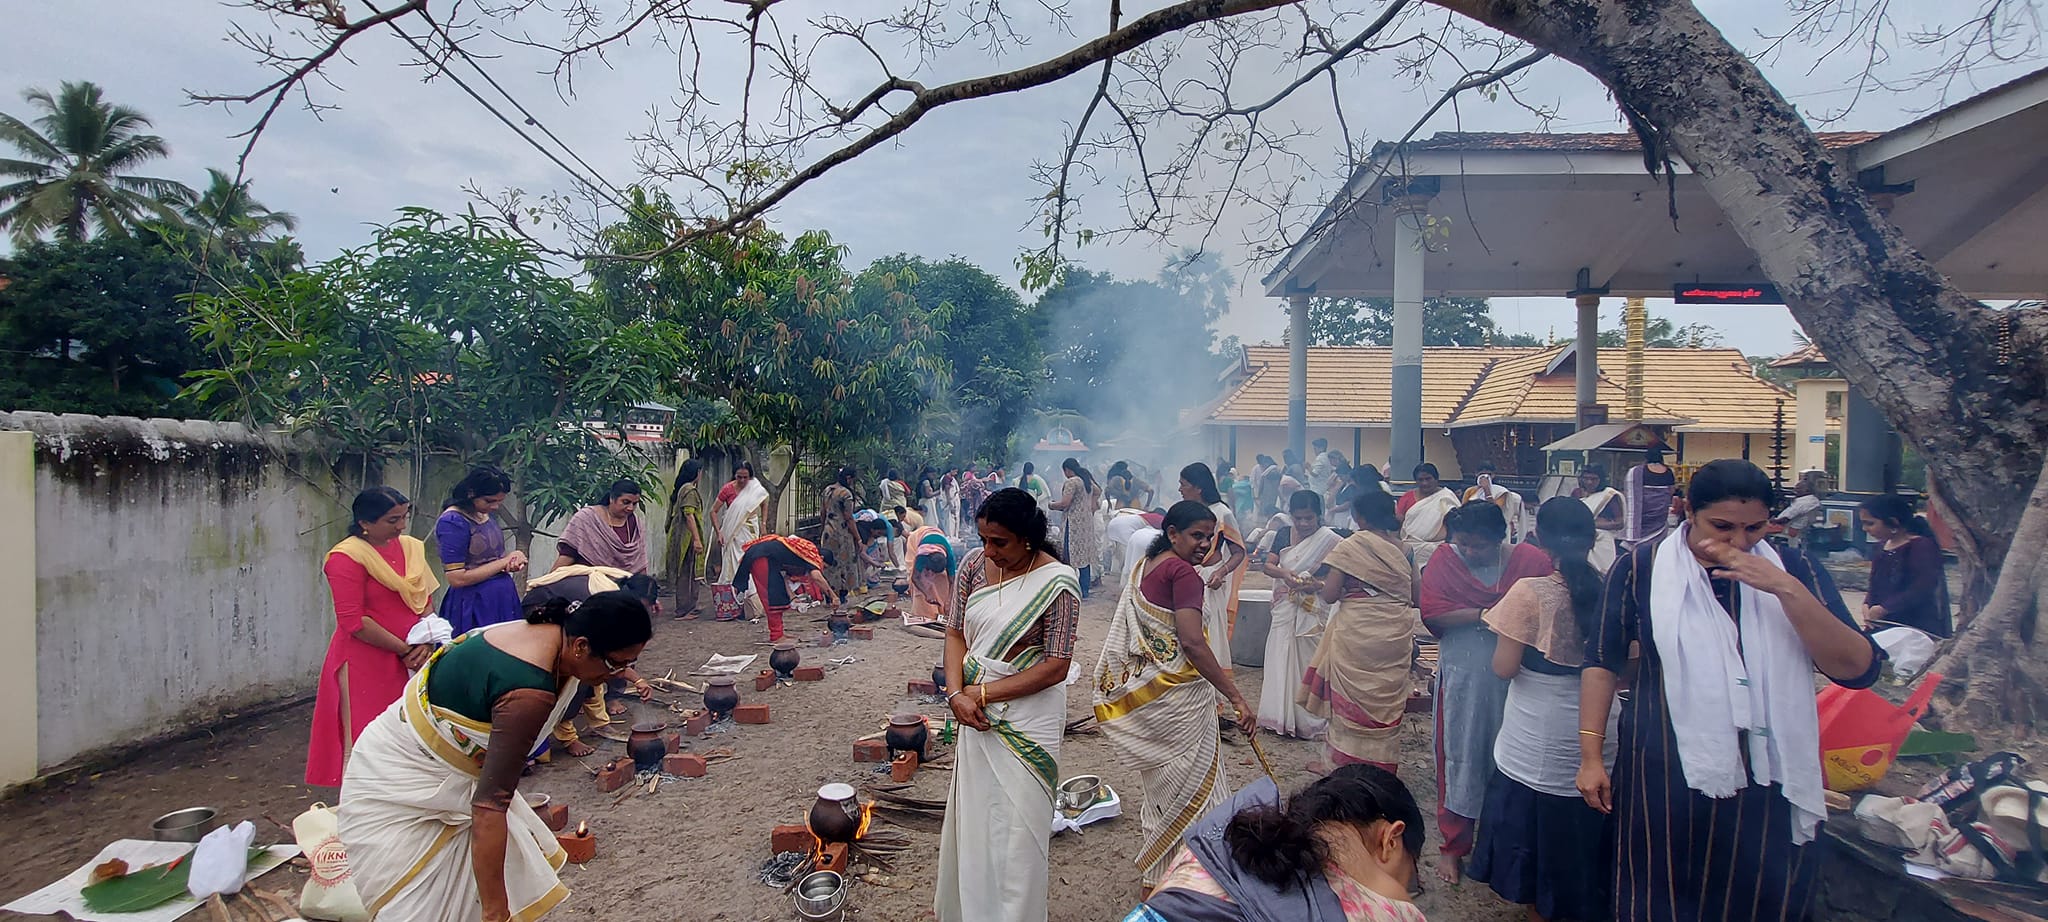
[228, 213]
[73, 173]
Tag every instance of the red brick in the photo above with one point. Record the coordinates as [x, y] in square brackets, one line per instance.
[810, 673]
[764, 680]
[579, 848]
[835, 858]
[556, 816]
[674, 742]
[923, 687]
[862, 632]
[870, 751]
[904, 768]
[697, 724]
[615, 775]
[791, 839]
[751, 714]
[686, 764]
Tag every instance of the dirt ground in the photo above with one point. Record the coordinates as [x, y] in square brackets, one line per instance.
[691, 850]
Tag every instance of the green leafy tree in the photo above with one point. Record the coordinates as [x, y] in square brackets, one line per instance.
[97, 326]
[234, 220]
[800, 352]
[444, 337]
[1370, 322]
[993, 346]
[71, 174]
[1661, 333]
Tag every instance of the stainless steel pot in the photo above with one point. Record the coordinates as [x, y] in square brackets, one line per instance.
[821, 895]
[188, 825]
[1079, 792]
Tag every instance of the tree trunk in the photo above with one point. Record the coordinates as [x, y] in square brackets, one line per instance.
[1924, 353]
[1999, 641]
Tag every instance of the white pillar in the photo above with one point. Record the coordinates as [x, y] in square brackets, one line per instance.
[1297, 374]
[1405, 441]
[18, 759]
[1588, 349]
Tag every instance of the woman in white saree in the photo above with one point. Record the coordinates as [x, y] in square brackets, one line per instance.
[1009, 646]
[1158, 684]
[737, 517]
[1298, 616]
[430, 811]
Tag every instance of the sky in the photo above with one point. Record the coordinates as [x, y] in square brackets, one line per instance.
[959, 183]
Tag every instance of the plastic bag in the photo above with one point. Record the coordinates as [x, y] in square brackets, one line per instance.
[1860, 732]
[1909, 649]
[220, 864]
[330, 894]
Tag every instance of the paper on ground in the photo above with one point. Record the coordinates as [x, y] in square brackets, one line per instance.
[64, 896]
[728, 665]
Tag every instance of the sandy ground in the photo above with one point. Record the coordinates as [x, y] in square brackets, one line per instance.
[691, 850]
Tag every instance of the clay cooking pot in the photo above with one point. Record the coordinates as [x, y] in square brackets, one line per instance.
[785, 658]
[646, 747]
[721, 696]
[907, 733]
[835, 817]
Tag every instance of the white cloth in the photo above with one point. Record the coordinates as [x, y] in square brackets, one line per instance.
[1116, 536]
[1217, 602]
[737, 525]
[432, 629]
[1538, 744]
[1135, 548]
[1291, 639]
[995, 847]
[1717, 689]
[1424, 521]
[1510, 503]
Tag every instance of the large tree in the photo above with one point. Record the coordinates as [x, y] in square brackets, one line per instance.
[71, 173]
[993, 344]
[1965, 384]
[442, 338]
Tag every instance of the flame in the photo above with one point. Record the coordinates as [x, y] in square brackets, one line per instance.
[582, 829]
[867, 815]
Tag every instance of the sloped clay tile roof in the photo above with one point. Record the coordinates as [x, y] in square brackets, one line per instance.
[1713, 389]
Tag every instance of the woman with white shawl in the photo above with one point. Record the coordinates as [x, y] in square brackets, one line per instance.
[737, 518]
[1422, 511]
[1158, 685]
[1610, 514]
[1223, 570]
[430, 811]
[1298, 616]
[1009, 648]
[1717, 775]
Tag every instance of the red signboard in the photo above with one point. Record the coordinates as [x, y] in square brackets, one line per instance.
[1718, 293]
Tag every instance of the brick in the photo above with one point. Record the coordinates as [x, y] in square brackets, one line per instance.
[686, 764]
[673, 741]
[556, 816]
[616, 774]
[697, 724]
[835, 858]
[765, 680]
[904, 768]
[870, 751]
[751, 714]
[923, 687]
[791, 839]
[579, 848]
[862, 632]
[810, 673]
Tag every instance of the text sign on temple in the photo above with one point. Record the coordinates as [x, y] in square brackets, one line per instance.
[1744, 293]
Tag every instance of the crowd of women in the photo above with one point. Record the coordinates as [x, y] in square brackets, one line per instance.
[1628, 738]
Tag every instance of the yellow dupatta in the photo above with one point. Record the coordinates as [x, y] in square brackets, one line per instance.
[417, 589]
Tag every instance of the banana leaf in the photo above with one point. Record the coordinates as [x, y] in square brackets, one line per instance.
[147, 888]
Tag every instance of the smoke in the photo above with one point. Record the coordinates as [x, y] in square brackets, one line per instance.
[1128, 360]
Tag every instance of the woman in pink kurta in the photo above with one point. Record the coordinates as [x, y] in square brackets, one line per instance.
[381, 586]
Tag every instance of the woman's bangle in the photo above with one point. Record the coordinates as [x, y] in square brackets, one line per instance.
[1593, 733]
[984, 694]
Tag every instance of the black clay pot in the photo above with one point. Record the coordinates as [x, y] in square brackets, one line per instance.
[906, 733]
[939, 677]
[784, 659]
[644, 744]
[720, 696]
[835, 817]
[840, 623]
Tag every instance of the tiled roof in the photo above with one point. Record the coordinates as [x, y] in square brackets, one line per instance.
[1579, 142]
[1806, 356]
[1713, 389]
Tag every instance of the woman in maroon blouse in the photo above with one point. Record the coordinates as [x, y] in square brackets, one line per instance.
[1907, 585]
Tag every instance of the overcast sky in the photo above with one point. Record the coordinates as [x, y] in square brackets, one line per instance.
[957, 184]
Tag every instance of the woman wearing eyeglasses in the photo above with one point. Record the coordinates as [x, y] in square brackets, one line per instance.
[430, 807]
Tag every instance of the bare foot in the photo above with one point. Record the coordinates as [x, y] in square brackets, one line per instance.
[616, 707]
[578, 749]
[1448, 871]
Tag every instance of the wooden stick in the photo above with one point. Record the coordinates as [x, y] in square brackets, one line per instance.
[282, 904]
[220, 908]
